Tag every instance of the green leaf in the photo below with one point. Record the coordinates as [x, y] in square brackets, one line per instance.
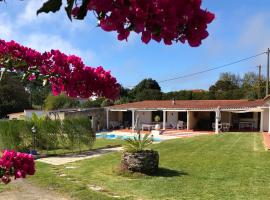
[83, 10]
[50, 6]
[69, 7]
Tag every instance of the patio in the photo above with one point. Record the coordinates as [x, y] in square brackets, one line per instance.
[179, 121]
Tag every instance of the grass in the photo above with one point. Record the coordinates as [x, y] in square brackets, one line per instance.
[99, 143]
[225, 166]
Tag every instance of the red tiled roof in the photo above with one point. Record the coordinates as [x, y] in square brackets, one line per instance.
[197, 90]
[191, 104]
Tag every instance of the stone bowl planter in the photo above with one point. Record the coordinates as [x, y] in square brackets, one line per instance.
[144, 161]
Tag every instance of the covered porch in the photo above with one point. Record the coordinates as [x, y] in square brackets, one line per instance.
[211, 120]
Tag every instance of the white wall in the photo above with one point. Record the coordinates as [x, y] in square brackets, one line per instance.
[265, 119]
[29, 113]
[144, 116]
[172, 117]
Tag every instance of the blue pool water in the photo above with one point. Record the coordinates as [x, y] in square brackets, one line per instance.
[120, 137]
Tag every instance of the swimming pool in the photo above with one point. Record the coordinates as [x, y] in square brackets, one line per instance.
[120, 137]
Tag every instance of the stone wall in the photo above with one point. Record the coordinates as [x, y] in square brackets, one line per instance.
[144, 162]
[97, 115]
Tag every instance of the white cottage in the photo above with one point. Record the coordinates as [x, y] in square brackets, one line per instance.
[198, 115]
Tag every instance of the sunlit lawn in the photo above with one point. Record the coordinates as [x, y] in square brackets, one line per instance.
[225, 166]
[99, 143]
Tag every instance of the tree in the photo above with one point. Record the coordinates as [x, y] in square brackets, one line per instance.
[59, 102]
[93, 103]
[227, 87]
[106, 102]
[253, 86]
[178, 95]
[38, 93]
[13, 96]
[232, 78]
[147, 89]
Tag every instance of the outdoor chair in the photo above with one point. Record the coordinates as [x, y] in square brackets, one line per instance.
[219, 127]
[226, 127]
[180, 125]
[115, 124]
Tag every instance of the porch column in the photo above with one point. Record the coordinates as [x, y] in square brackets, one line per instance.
[107, 119]
[188, 121]
[269, 119]
[261, 122]
[216, 123]
[164, 119]
[133, 119]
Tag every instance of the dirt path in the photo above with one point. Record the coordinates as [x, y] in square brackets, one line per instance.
[22, 190]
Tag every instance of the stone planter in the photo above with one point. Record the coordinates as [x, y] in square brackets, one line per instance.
[144, 162]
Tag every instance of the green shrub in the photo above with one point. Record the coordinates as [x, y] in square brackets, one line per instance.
[50, 134]
[78, 132]
[60, 102]
[15, 135]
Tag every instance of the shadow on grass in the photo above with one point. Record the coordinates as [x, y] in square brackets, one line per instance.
[165, 172]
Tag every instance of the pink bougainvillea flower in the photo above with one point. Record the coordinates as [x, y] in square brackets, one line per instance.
[167, 20]
[66, 73]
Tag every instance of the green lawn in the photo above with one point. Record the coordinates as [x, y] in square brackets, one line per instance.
[99, 143]
[225, 166]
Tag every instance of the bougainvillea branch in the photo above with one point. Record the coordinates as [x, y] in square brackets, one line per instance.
[66, 73]
[160, 20]
[15, 164]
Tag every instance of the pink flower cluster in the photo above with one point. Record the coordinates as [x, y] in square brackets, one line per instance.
[16, 164]
[167, 20]
[66, 73]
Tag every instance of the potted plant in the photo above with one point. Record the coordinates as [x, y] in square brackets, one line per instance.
[137, 158]
[157, 120]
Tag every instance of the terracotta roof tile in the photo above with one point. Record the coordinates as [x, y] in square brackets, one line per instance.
[191, 104]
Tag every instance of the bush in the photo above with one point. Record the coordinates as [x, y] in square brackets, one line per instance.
[15, 135]
[50, 134]
[59, 102]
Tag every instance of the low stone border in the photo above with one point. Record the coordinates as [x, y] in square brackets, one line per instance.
[266, 141]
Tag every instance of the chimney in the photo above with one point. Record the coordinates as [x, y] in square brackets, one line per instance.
[173, 101]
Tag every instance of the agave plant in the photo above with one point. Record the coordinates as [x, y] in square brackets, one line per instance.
[138, 143]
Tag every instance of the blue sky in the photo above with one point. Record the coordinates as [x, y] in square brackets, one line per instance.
[241, 29]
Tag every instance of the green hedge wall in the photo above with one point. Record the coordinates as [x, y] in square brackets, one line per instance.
[71, 134]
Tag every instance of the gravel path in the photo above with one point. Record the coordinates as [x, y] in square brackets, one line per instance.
[22, 190]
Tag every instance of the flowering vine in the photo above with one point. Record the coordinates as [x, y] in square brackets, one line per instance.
[15, 164]
[66, 73]
[160, 20]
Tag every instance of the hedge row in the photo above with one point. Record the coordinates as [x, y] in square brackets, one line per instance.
[71, 134]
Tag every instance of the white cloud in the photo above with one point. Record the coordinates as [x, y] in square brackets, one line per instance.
[14, 28]
[43, 42]
[6, 28]
[29, 16]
